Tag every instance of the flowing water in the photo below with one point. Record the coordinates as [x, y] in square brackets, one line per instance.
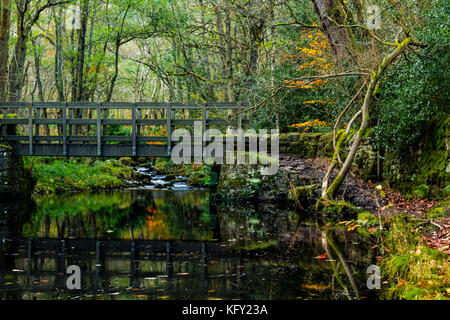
[174, 243]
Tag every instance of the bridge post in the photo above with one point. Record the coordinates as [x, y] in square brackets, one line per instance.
[5, 116]
[37, 126]
[133, 129]
[70, 117]
[204, 118]
[239, 117]
[169, 129]
[99, 129]
[30, 128]
[64, 128]
[139, 117]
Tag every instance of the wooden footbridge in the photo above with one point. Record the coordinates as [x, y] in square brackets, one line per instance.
[81, 128]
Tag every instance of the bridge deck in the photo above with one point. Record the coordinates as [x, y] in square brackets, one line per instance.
[87, 136]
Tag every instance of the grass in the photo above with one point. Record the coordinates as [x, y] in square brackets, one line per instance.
[412, 270]
[81, 174]
[442, 210]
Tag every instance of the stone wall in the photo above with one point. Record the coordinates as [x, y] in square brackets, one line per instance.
[246, 182]
[15, 181]
[425, 170]
[320, 145]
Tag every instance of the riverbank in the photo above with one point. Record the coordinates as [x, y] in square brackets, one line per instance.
[54, 175]
[58, 175]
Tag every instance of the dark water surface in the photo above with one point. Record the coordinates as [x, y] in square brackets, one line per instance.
[174, 244]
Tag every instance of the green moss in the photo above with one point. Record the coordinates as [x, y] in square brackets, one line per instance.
[259, 245]
[440, 211]
[197, 174]
[427, 168]
[305, 194]
[411, 269]
[367, 217]
[127, 161]
[79, 175]
[336, 208]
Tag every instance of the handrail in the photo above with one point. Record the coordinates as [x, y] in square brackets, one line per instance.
[61, 144]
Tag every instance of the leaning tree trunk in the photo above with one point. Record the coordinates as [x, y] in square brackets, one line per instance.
[360, 134]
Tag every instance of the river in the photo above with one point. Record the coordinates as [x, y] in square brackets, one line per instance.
[175, 243]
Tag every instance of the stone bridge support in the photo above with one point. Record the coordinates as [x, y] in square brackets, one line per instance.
[15, 181]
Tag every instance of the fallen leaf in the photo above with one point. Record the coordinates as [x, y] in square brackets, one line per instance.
[322, 256]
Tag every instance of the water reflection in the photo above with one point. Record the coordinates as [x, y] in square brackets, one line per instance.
[132, 214]
[167, 244]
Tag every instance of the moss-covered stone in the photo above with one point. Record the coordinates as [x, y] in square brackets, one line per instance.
[307, 195]
[320, 145]
[336, 208]
[428, 164]
[127, 161]
[15, 180]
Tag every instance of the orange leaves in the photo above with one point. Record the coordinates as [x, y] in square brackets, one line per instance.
[158, 133]
[352, 227]
[314, 101]
[314, 54]
[322, 256]
[308, 125]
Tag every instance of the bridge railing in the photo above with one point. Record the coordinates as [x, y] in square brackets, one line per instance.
[22, 124]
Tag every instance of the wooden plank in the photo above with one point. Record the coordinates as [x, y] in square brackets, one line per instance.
[47, 121]
[14, 104]
[169, 129]
[204, 124]
[70, 126]
[117, 122]
[12, 121]
[82, 121]
[81, 105]
[139, 117]
[99, 129]
[81, 139]
[220, 122]
[222, 105]
[133, 130]
[52, 105]
[152, 105]
[30, 129]
[152, 139]
[151, 122]
[49, 138]
[180, 105]
[118, 105]
[116, 139]
[36, 120]
[14, 138]
[184, 122]
[64, 129]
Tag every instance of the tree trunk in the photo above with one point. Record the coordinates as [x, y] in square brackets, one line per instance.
[331, 15]
[229, 54]
[4, 40]
[59, 56]
[16, 67]
[37, 73]
[373, 84]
